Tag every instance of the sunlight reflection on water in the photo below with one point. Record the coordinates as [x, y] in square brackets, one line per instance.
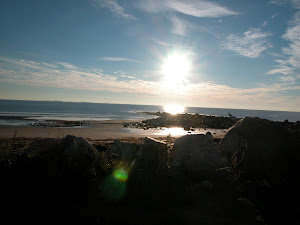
[173, 131]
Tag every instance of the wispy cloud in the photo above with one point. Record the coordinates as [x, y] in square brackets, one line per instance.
[127, 76]
[171, 9]
[55, 75]
[195, 8]
[285, 70]
[179, 26]
[117, 59]
[288, 79]
[250, 44]
[289, 64]
[68, 66]
[278, 2]
[115, 8]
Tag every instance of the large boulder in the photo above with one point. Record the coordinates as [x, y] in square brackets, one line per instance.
[196, 155]
[152, 157]
[149, 169]
[263, 149]
[264, 157]
[70, 161]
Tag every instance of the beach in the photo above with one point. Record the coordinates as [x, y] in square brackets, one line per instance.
[101, 169]
[109, 129]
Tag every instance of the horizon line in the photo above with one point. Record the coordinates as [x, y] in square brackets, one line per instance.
[141, 104]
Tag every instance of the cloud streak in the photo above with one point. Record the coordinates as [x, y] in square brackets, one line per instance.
[171, 9]
[115, 8]
[194, 8]
[116, 59]
[250, 44]
[179, 26]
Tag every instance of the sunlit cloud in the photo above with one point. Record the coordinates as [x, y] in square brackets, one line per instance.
[285, 70]
[189, 7]
[129, 77]
[250, 44]
[171, 9]
[200, 8]
[68, 66]
[179, 26]
[116, 59]
[42, 74]
[288, 79]
[114, 7]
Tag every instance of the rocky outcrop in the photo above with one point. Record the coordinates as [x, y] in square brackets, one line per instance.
[263, 149]
[196, 155]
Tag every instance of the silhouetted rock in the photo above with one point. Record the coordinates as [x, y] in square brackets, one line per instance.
[187, 121]
[66, 163]
[266, 149]
[149, 169]
[123, 151]
[264, 156]
[196, 155]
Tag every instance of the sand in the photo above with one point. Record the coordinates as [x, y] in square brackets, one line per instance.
[112, 129]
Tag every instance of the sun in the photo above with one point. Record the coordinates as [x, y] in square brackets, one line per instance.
[174, 109]
[176, 67]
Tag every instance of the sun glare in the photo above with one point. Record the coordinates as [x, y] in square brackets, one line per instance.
[173, 131]
[174, 109]
[176, 67]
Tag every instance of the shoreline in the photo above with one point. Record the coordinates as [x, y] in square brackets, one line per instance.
[97, 130]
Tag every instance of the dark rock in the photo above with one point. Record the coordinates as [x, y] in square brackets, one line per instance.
[100, 148]
[149, 169]
[124, 151]
[196, 155]
[265, 149]
[264, 157]
[66, 163]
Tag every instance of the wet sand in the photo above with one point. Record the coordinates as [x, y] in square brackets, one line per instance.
[110, 129]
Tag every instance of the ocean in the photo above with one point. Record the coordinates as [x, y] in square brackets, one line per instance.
[82, 111]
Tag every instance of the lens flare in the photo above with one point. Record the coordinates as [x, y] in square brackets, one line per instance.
[121, 174]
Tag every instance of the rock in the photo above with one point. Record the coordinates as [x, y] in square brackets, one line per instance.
[204, 185]
[196, 155]
[125, 151]
[79, 156]
[264, 156]
[263, 149]
[69, 162]
[150, 167]
[152, 156]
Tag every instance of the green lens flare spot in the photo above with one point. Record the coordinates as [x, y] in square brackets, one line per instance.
[121, 174]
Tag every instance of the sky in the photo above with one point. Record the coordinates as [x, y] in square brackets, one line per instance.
[220, 53]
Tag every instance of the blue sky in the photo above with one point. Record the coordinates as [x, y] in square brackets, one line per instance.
[223, 54]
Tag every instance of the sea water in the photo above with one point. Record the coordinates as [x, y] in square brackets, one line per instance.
[82, 111]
